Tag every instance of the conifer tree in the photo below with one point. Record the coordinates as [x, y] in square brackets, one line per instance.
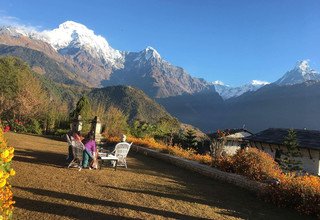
[289, 160]
[190, 139]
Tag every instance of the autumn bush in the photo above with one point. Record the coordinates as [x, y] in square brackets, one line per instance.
[6, 195]
[255, 164]
[300, 192]
[150, 142]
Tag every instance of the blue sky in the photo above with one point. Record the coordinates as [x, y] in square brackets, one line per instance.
[234, 41]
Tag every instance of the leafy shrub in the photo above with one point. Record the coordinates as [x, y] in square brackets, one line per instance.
[301, 193]
[15, 125]
[255, 164]
[33, 127]
[6, 155]
[224, 164]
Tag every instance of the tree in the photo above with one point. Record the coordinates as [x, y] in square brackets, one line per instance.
[21, 94]
[167, 128]
[142, 129]
[116, 122]
[191, 139]
[289, 159]
[83, 108]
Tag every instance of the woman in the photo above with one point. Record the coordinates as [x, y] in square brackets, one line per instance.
[89, 151]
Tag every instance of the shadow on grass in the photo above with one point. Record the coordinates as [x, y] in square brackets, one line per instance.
[196, 188]
[40, 157]
[163, 195]
[22, 203]
[62, 210]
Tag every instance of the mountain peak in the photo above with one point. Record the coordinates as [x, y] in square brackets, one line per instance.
[151, 52]
[70, 35]
[299, 74]
[303, 66]
[72, 25]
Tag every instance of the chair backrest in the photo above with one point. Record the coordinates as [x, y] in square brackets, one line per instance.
[77, 149]
[121, 149]
[68, 140]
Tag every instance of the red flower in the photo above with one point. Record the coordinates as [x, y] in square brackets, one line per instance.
[6, 129]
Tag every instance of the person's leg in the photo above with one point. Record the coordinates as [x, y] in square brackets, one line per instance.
[87, 157]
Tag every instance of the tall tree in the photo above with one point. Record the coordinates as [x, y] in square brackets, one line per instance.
[83, 108]
[290, 159]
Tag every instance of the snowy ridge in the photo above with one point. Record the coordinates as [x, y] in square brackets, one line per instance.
[227, 92]
[74, 35]
[147, 54]
[299, 74]
[70, 35]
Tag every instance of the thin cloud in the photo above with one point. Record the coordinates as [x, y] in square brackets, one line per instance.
[6, 20]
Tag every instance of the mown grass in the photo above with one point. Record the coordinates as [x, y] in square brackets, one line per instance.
[148, 189]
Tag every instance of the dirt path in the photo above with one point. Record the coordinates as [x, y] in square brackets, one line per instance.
[148, 189]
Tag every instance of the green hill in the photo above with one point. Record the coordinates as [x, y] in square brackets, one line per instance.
[134, 102]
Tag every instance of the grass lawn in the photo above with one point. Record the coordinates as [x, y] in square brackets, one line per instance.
[149, 189]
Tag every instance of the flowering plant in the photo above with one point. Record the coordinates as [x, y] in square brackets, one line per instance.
[6, 195]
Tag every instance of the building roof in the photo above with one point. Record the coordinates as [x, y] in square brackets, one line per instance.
[306, 138]
[228, 132]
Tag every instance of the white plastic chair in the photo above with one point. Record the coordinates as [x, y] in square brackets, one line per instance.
[118, 156]
[121, 151]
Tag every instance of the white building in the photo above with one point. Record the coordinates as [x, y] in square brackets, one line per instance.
[271, 141]
[234, 139]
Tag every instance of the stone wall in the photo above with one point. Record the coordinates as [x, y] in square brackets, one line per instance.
[205, 170]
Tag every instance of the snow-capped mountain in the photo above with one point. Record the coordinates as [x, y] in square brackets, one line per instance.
[226, 91]
[299, 74]
[92, 60]
[71, 35]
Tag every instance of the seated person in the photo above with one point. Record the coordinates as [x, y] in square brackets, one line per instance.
[89, 151]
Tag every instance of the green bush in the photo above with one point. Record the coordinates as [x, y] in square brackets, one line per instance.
[34, 127]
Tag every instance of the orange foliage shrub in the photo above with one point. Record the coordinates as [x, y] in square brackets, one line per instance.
[301, 193]
[224, 164]
[255, 164]
[174, 150]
